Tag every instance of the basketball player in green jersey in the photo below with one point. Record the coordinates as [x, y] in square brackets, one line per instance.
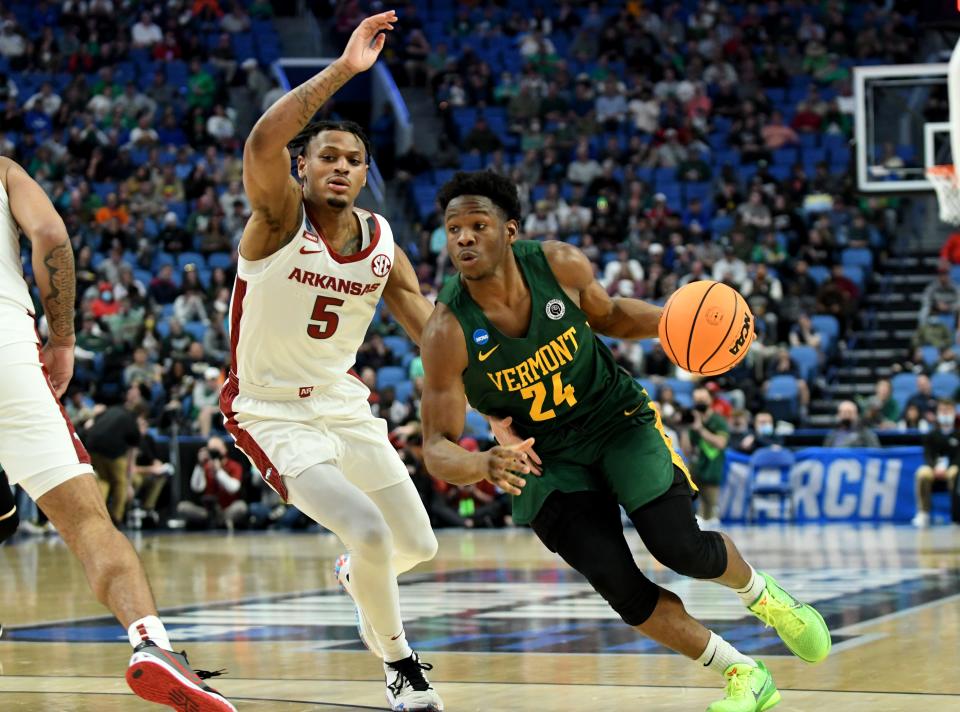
[513, 332]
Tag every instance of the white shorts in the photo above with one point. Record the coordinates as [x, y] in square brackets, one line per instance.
[284, 438]
[39, 448]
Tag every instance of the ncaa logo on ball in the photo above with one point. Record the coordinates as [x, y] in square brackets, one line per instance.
[556, 309]
[381, 265]
[480, 337]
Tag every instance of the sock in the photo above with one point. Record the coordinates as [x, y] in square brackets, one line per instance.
[719, 655]
[750, 593]
[150, 628]
[394, 648]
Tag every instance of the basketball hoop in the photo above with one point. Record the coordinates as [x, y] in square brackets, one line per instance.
[944, 180]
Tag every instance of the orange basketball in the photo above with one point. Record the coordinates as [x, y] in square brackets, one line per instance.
[706, 328]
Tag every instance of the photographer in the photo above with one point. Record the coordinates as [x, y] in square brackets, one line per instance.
[217, 479]
[706, 440]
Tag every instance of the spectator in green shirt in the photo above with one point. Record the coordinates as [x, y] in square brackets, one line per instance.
[707, 437]
[202, 87]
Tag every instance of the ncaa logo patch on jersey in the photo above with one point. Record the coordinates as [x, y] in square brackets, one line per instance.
[380, 265]
[556, 309]
[481, 337]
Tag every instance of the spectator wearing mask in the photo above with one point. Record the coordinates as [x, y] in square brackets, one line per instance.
[217, 480]
[850, 432]
[763, 435]
[941, 461]
[707, 440]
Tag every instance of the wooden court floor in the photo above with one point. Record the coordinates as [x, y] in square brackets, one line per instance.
[504, 622]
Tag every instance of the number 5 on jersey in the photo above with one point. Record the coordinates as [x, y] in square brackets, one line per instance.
[538, 392]
[323, 321]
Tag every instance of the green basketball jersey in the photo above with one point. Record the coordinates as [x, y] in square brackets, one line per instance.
[562, 386]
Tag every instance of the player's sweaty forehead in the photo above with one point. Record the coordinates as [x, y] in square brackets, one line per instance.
[464, 206]
[338, 141]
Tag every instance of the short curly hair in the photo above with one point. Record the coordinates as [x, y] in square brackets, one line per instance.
[499, 189]
[300, 141]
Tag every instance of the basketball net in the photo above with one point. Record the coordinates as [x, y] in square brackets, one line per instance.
[944, 178]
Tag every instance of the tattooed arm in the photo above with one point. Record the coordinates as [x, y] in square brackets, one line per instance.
[274, 194]
[52, 267]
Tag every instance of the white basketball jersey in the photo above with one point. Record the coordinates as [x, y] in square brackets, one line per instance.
[298, 316]
[16, 307]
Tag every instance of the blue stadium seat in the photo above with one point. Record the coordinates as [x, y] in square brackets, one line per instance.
[390, 376]
[399, 345]
[476, 426]
[220, 260]
[782, 397]
[194, 258]
[664, 176]
[931, 355]
[819, 274]
[857, 257]
[196, 329]
[944, 384]
[682, 391]
[785, 156]
[829, 329]
[904, 384]
[471, 162]
[855, 274]
[403, 390]
[807, 359]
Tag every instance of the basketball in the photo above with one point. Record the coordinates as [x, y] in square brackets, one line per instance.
[706, 328]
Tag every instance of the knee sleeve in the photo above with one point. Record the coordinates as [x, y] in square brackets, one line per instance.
[697, 554]
[631, 594]
[8, 525]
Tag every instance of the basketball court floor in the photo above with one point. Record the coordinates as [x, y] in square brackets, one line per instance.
[505, 623]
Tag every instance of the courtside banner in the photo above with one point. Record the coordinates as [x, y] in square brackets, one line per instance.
[829, 485]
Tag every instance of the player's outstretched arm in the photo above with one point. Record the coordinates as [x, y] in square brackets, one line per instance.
[403, 297]
[444, 406]
[53, 267]
[273, 193]
[620, 317]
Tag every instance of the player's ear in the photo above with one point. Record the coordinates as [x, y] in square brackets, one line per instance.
[302, 165]
[512, 228]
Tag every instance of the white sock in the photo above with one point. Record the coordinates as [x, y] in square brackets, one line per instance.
[719, 655]
[394, 647]
[753, 590]
[149, 628]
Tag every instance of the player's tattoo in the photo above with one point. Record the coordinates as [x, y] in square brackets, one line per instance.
[352, 246]
[313, 93]
[58, 302]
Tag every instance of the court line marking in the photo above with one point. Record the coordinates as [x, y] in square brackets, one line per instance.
[466, 682]
[232, 698]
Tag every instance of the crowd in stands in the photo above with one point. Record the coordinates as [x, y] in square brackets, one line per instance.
[669, 141]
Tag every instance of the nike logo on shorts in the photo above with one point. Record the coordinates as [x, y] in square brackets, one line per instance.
[483, 356]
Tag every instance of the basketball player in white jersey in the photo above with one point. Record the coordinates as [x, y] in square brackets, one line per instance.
[311, 271]
[40, 451]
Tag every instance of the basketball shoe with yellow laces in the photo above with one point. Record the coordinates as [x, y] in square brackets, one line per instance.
[749, 689]
[798, 624]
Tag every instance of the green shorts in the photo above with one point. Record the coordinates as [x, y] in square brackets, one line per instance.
[630, 457]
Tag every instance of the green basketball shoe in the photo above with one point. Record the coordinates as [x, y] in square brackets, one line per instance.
[749, 689]
[799, 625]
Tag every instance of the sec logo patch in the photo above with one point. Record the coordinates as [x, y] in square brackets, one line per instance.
[380, 265]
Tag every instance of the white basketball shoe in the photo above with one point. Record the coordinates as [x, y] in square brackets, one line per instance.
[408, 689]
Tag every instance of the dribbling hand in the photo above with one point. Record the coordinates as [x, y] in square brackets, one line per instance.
[505, 435]
[367, 40]
[506, 463]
